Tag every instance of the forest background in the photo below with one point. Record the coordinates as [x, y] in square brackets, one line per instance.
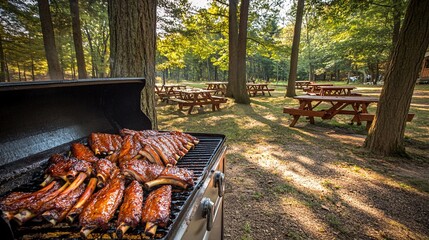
[341, 40]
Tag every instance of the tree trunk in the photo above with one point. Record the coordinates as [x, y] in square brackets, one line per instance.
[94, 70]
[386, 135]
[295, 50]
[33, 77]
[2, 62]
[240, 89]
[232, 47]
[54, 67]
[132, 44]
[77, 39]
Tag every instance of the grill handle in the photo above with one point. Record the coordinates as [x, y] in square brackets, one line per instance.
[208, 212]
[219, 182]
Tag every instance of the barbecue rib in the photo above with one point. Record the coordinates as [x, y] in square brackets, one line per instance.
[103, 143]
[130, 149]
[104, 169]
[156, 210]
[15, 201]
[131, 209]
[83, 152]
[141, 170]
[180, 177]
[48, 201]
[102, 206]
[65, 168]
[61, 205]
[78, 207]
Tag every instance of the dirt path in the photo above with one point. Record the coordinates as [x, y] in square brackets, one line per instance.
[313, 181]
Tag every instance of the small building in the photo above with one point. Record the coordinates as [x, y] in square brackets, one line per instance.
[424, 73]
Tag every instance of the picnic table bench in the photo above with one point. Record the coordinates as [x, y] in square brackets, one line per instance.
[308, 103]
[337, 91]
[255, 88]
[198, 97]
[314, 88]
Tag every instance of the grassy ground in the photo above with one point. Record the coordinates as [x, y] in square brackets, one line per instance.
[314, 181]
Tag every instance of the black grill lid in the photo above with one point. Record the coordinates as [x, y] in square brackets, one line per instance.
[39, 116]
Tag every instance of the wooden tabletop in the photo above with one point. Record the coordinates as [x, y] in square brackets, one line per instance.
[337, 98]
[207, 83]
[320, 84]
[337, 87]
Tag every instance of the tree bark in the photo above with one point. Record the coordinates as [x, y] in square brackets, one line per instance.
[386, 135]
[132, 44]
[232, 47]
[54, 67]
[295, 50]
[240, 89]
[2, 62]
[77, 39]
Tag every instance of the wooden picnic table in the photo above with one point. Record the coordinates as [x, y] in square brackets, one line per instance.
[198, 97]
[167, 91]
[219, 87]
[308, 103]
[315, 87]
[336, 91]
[301, 84]
[255, 88]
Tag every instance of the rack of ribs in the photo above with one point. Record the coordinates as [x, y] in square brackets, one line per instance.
[83, 199]
[15, 201]
[104, 169]
[103, 143]
[48, 202]
[65, 168]
[180, 177]
[102, 206]
[83, 152]
[131, 209]
[156, 210]
[152, 175]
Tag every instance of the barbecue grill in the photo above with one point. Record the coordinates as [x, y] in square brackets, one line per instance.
[38, 119]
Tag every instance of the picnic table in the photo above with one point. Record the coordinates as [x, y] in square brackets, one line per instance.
[219, 87]
[198, 97]
[314, 88]
[308, 103]
[167, 91]
[336, 91]
[255, 88]
[301, 84]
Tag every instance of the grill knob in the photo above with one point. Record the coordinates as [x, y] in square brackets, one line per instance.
[208, 212]
[219, 182]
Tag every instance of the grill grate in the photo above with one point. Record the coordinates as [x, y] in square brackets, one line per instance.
[198, 160]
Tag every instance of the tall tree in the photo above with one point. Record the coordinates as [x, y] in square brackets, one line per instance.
[295, 49]
[2, 61]
[54, 67]
[132, 43]
[77, 38]
[386, 135]
[232, 46]
[240, 89]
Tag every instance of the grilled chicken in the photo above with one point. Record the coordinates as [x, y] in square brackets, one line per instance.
[180, 177]
[48, 201]
[104, 169]
[156, 210]
[15, 201]
[102, 206]
[65, 168]
[141, 170]
[60, 206]
[83, 199]
[103, 143]
[131, 209]
[83, 152]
